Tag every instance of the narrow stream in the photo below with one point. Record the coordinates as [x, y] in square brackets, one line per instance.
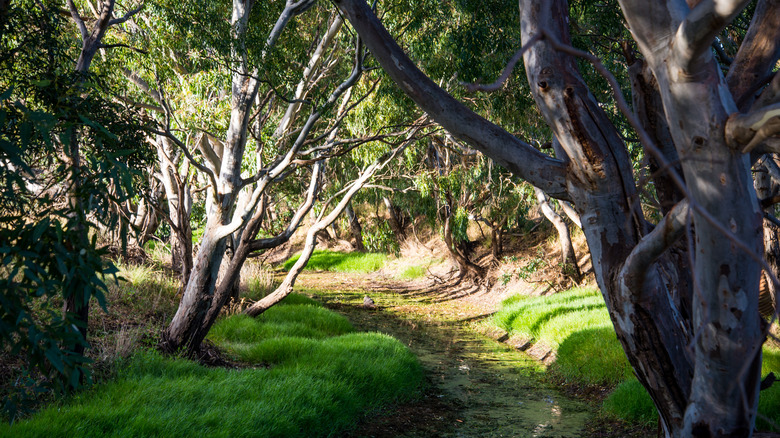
[495, 391]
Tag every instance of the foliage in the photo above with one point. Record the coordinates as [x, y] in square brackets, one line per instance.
[323, 260]
[379, 238]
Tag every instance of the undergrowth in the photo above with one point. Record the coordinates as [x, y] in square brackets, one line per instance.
[324, 260]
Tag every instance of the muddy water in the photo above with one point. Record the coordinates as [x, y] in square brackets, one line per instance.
[491, 389]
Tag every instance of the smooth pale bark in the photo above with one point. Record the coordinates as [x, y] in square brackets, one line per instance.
[248, 244]
[234, 212]
[184, 328]
[569, 267]
[697, 104]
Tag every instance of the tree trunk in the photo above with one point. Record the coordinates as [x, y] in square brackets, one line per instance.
[497, 238]
[355, 229]
[569, 267]
[466, 268]
[766, 188]
[394, 220]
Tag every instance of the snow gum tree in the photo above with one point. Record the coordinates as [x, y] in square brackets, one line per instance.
[683, 292]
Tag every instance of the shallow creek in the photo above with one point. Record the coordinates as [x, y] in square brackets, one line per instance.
[486, 388]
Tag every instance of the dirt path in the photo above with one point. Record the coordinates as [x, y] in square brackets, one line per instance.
[476, 387]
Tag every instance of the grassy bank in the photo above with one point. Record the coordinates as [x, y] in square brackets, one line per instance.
[309, 374]
[358, 262]
[575, 324]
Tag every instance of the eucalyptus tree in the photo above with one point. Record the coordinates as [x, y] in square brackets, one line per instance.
[265, 140]
[683, 293]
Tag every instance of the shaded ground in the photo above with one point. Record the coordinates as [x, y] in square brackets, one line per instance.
[476, 387]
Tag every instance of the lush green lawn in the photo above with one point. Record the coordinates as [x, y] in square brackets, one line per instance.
[323, 260]
[313, 376]
[577, 325]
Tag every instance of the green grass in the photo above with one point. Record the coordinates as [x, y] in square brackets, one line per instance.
[413, 272]
[323, 260]
[631, 402]
[575, 323]
[322, 379]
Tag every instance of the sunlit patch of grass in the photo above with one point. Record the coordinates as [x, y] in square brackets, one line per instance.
[323, 260]
[279, 321]
[413, 272]
[553, 318]
[575, 323]
[319, 384]
[592, 356]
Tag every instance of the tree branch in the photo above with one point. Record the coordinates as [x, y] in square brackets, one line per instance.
[753, 128]
[541, 170]
[758, 53]
[699, 28]
[79, 21]
[669, 230]
[127, 16]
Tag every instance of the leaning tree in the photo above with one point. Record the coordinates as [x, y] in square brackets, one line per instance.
[682, 293]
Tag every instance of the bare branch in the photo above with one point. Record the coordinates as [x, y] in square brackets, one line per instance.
[697, 32]
[139, 82]
[753, 128]
[127, 16]
[79, 21]
[213, 157]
